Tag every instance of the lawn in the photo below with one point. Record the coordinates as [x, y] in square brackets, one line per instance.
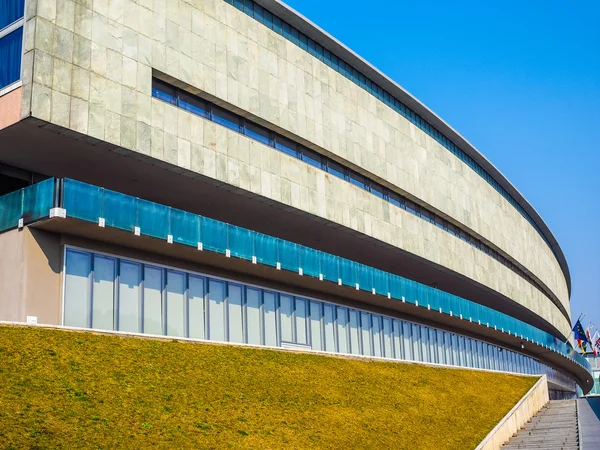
[65, 389]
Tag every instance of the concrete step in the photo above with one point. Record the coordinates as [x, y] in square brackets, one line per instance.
[554, 427]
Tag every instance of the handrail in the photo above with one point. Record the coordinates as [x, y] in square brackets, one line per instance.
[92, 203]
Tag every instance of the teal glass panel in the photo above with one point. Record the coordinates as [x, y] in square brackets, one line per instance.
[213, 234]
[288, 256]
[10, 209]
[185, 227]
[364, 277]
[265, 249]
[240, 242]
[310, 261]
[396, 286]
[409, 291]
[119, 210]
[82, 200]
[330, 267]
[380, 282]
[153, 219]
[37, 200]
[348, 272]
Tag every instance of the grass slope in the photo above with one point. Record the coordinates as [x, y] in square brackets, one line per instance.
[63, 389]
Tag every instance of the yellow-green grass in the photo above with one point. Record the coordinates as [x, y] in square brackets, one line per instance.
[65, 389]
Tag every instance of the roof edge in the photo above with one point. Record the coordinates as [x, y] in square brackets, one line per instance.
[313, 31]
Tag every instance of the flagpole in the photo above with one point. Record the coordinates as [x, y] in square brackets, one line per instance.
[573, 328]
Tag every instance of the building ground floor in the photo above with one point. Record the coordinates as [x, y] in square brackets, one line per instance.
[82, 256]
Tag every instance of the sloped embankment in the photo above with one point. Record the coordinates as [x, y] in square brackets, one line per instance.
[64, 389]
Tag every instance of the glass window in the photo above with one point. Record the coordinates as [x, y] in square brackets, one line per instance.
[196, 308]
[315, 326]
[77, 289]
[388, 351]
[301, 321]
[354, 332]
[356, 179]
[164, 91]
[270, 320]
[253, 320]
[268, 19]
[103, 297]
[193, 104]
[410, 206]
[287, 31]
[335, 169]
[328, 323]
[395, 199]
[225, 118]
[342, 330]
[129, 296]
[216, 310]
[248, 7]
[153, 291]
[377, 335]
[397, 324]
[259, 14]
[277, 25]
[286, 319]
[376, 190]
[236, 321]
[175, 304]
[303, 41]
[312, 158]
[365, 325]
[257, 133]
[407, 341]
[286, 146]
[10, 11]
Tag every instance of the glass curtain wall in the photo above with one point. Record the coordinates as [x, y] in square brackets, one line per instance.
[11, 40]
[110, 293]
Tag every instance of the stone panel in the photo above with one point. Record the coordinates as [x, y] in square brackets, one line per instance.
[92, 73]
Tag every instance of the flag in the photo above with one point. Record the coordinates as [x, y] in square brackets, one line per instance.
[596, 343]
[580, 337]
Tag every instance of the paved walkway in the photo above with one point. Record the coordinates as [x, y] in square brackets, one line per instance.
[589, 422]
[554, 427]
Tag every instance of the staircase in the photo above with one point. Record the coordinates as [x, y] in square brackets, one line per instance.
[554, 427]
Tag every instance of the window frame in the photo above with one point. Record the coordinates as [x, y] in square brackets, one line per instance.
[7, 30]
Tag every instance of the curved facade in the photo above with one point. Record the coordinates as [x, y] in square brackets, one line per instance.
[247, 113]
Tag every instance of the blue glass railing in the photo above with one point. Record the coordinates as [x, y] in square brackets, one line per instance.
[90, 203]
[30, 204]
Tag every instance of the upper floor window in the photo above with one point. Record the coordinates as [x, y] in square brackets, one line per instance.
[11, 40]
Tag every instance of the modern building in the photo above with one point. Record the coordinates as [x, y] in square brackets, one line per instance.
[595, 365]
[226, 170]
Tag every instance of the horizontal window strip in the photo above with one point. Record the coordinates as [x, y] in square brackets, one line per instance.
[144, 218]
[290, 33]
[196, 105]
[169, 301]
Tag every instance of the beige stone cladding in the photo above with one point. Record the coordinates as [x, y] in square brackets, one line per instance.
[88, 67]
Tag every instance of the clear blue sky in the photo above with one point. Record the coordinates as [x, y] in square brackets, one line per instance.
[520, 80]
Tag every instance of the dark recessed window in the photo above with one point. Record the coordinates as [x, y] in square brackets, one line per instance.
[193, 104]
[357, 180]
[312, 158]
[164, 91]
[336, 169]
[377, 190]
[225, 118]
[286, 146]
[395, 199]
[257, 133]
[410, 207]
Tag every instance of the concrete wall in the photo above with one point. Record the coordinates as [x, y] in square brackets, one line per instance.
[523, 411]
[30, 276]
[88, 67]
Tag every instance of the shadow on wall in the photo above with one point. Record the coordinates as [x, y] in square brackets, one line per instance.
[49, 245]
